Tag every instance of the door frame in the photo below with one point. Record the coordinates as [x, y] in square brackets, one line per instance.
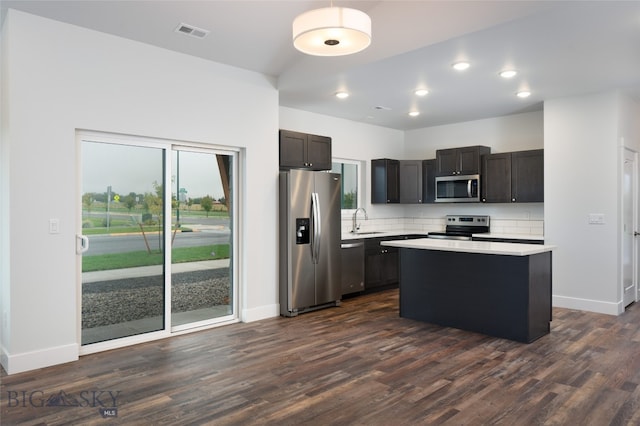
[632, 156]
[167, 146]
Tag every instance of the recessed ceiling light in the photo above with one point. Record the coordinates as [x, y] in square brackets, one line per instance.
[508, 73]
[414, 113]
[422, 92]
[342, 95]
[461, 66]
[523, 94]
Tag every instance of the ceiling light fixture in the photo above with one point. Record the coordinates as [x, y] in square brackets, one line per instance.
[414, 113]
[332, 31]
[508, 73]
[523, 94]
[342, 95]
[422, 92]
[461, 66]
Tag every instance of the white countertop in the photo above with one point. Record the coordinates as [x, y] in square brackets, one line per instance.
[483, 247]
[382, 234]
[378, 234]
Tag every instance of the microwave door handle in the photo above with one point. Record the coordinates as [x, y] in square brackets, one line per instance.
[469, 188]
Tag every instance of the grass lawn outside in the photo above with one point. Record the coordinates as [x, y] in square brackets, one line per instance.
[143, 258]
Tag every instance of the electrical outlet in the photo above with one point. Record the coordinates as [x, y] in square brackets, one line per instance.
[596, 219]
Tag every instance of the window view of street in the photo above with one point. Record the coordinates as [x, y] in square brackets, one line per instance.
[123, 270]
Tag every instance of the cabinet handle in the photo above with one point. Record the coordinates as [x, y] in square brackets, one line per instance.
[310, 164]
[484, 200]
[513, 199]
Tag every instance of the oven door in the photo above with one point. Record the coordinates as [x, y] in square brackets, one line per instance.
[455, 189]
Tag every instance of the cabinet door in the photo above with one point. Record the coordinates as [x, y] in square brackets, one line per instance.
[292, 149]
[527, 176]
[410, 181]
[429, 181]
[385, 181]
[318, 152]
[470, 159]
[496, 178]
[447, 161]
[390, 263]
[372, 268]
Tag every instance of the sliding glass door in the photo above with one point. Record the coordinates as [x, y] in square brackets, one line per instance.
[157, 241]
[201, 241]
[123, 283]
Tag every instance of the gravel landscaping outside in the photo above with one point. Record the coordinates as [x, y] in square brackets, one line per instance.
[118, 301]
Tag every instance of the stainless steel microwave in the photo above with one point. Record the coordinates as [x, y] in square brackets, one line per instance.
[458, 189]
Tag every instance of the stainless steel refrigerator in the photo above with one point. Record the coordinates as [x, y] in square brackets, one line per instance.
[309, 240]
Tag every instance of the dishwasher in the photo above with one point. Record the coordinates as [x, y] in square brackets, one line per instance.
[352, 254]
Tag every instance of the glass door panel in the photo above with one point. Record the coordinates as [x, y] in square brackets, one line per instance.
[201, 240]
[123, 289]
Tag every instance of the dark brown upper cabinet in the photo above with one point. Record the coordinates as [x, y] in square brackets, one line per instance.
[527, 176]
[304, 151]
[513, 177]
[385, 181]
[429, 168]
[460, 161]
[410, 181]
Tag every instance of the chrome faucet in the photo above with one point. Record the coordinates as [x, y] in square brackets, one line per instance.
[355, 227]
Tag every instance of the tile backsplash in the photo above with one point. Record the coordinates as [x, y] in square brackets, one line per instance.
[425, 225]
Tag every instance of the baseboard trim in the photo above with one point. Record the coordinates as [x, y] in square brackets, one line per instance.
[598, 306]
[260, 313]
[27, 361]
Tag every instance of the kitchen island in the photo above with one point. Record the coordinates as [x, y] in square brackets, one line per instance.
[495, 288]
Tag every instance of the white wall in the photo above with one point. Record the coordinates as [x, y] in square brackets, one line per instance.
[60, 78]
[518, 132]
[5, 257]
[582, 167]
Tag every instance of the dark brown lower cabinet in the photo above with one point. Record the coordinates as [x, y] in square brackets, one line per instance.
[381, 263]
[380, 267]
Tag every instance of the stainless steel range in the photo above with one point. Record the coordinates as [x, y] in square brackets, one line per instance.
[462, 227]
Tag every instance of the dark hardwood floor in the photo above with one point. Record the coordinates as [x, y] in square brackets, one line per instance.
[358, 364]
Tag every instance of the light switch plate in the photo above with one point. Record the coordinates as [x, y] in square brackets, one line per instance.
[596, 219]
[54, 226]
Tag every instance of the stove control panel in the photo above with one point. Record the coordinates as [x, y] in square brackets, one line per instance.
[467, 220]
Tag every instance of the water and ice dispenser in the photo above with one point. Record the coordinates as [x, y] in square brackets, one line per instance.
[302, 230]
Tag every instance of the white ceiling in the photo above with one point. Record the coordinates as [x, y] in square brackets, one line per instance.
[560, 48]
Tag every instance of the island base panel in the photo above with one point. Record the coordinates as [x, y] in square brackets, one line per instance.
[499, 295]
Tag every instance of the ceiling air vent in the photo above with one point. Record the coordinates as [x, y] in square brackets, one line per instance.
[192, 31]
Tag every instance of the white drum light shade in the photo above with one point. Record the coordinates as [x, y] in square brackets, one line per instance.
[332, 31]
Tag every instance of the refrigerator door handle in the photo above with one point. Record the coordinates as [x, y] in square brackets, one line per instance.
[316, 224]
